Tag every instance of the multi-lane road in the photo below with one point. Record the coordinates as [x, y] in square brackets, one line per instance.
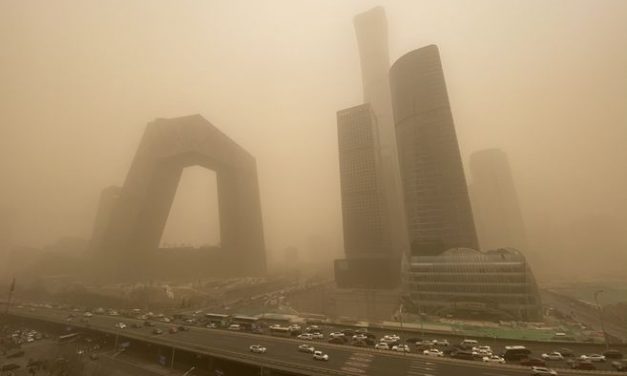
[283, 354]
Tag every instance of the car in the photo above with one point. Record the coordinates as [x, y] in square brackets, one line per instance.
[336, 335]
[482, 350]
[583, 365]
[319, 355]
[566, 352]
[317, 335]
[433, 352]
[87, 314]
[120, 325]
[305, 336]
[235, 327]
[382, 346]
[183, 328]
[440, 342]
[464, 355]
[149, 323]
[493, 359]
[613, 354]
[257, 349]
[620, 365]
[552, 356]
[157, 331]
[360, 337]
[136, 325]
[593, 357]
[173, 330]
[401, 348]
[359, 344]
[542, 371]
[468, 343]
[533, 362]
[306, 348]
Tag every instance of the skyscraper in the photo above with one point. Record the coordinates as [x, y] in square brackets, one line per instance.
[495, 202]
[375, 232]
[366, 233]
[439, 214]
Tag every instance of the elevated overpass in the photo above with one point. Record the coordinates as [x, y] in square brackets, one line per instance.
[225, 353]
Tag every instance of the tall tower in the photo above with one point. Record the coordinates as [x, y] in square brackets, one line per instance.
[371, 30]
[375, 231]
[439, 214]
[495, 202]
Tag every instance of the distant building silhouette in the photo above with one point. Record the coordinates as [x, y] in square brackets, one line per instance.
[127, 233]
[439, 215]
[495, 202]
[375, 233]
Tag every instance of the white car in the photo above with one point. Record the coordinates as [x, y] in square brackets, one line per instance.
[552, 356]
[390, 338]
[120, 325]
[306, 336]
[493, 359]
[440, 342]
[319, 355]
[257, 349]
[593, 357]
[336, 335]
[87, 314]
[382, 346]
[401, 348]
[317, 335]
[542, 371]
[306, 348]
[234, 327]
[433, 352]
[360, 337]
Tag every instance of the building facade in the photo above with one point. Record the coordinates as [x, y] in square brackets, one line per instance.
[439, 215]
[466, 283]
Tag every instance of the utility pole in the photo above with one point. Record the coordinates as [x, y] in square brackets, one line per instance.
[11, 289]
[172, 360]
[596, 300]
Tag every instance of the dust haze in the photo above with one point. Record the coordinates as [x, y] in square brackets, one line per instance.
[543, 81]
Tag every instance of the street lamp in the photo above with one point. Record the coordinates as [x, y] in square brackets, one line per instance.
[596, 300]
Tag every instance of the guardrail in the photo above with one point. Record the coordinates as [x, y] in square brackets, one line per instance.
[261, 361]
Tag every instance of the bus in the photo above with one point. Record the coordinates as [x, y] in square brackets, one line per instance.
[280, 331]
[516, 353]
[68, 337]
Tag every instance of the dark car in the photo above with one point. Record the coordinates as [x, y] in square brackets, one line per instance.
[465, 355]
[348, 332]
[184, 328]
[613, 354]
[413, 340]
[9, 367]
[149, 323]
[620, 365]
[566, 353]
[157, 331]
[359, 344]
[583, 366]
[533, 362]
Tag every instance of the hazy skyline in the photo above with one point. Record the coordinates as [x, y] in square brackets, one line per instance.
[543, 81]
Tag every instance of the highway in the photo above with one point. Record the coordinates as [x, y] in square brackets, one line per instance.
[282, 352]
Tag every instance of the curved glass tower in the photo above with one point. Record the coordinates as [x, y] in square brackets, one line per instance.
[438, 209]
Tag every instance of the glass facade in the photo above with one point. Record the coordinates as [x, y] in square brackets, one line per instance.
[465, 282]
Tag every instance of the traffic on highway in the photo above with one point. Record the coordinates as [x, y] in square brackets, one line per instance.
[356, 350]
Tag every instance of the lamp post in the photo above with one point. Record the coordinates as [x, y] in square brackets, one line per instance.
[596, 300]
